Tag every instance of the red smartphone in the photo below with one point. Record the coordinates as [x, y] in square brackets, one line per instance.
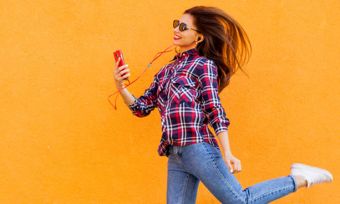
[117, 54]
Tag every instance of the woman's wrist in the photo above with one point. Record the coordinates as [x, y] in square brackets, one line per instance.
[227, 152]
[119, 85]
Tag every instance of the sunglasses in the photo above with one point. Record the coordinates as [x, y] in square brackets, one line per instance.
[182, 26]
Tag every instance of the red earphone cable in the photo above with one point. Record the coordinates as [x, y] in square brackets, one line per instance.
[129, 83]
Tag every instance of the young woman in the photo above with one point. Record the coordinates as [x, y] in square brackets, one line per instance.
[185, 91]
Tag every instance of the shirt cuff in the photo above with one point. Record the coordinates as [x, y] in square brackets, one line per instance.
[220, 127]
[134, 105]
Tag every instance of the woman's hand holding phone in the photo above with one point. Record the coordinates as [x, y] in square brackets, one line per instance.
[121, 73]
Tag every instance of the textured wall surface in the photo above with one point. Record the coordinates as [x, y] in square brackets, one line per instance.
[62, 142]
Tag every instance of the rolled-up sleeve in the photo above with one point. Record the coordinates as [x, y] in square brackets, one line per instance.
[211, 104]
[143, 105]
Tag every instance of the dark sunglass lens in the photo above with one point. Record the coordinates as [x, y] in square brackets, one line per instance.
[182, 27]
[175, 23]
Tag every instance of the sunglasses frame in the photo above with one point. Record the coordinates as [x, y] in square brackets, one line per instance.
[176, 23]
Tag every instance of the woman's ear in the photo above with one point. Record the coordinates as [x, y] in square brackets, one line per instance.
[200, 38]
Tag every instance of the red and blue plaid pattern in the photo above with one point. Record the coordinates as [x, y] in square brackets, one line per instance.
[185, 91]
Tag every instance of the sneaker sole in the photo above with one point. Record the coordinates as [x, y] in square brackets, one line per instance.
[323, 171]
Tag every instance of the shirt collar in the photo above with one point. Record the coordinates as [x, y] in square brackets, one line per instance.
[186, 53]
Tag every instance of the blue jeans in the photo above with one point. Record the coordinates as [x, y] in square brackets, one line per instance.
[188, 165]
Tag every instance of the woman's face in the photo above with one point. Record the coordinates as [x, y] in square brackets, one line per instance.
[185, 39]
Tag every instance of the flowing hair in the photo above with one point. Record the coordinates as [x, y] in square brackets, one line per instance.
[225, 41]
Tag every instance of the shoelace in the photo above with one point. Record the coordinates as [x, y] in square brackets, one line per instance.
[129, 83]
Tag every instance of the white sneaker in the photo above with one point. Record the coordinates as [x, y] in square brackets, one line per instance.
[313, 175]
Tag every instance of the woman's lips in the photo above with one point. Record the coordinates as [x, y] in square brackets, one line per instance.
[176, 37]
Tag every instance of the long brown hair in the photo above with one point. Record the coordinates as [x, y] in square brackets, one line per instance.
[225, 41]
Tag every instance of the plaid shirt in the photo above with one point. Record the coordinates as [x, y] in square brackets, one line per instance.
[185, 93]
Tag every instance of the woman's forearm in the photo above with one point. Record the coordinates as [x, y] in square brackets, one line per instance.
[121, 73]
[127, 96]
[224, 141]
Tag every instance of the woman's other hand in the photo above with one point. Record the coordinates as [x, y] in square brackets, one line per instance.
[233, 163]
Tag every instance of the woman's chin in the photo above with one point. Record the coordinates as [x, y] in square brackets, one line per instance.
[179, 45]
[175, 42]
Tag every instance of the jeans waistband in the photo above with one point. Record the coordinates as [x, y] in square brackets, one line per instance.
[175, 149]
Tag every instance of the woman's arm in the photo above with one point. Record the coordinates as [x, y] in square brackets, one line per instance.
[127, 96]
[143, 105]
[228, 156]
[223, 137]
[214, 110]
[211, 103]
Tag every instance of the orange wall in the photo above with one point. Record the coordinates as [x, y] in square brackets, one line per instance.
[62, 142]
